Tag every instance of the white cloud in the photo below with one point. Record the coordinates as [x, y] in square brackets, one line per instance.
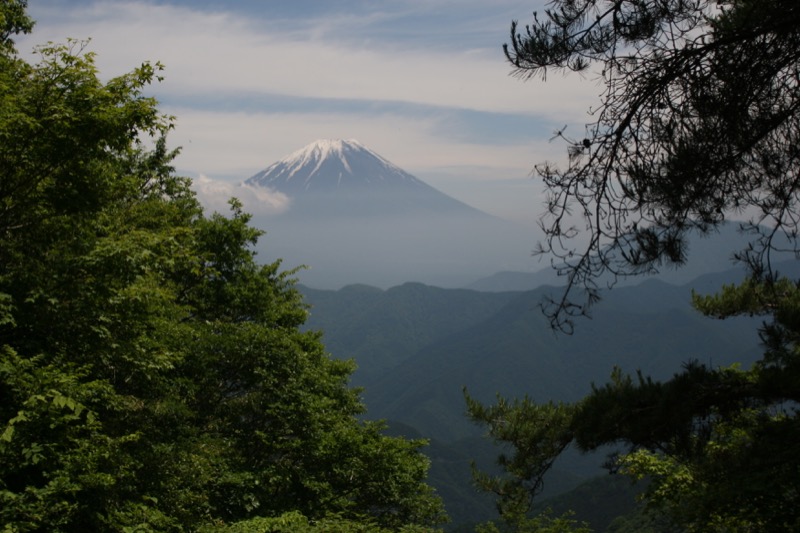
[219, 53]
[239, 144]
[216, 60]
[214, 195]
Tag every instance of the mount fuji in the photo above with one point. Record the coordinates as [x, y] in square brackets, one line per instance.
[343, 177]
[355, 217]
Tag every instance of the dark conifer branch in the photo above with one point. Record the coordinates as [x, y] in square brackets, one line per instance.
[698, 122]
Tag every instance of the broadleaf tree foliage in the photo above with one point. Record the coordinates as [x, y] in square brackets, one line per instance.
[699, 120]
[153, 375]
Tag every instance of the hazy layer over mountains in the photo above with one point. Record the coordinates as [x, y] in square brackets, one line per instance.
[354, 217]
[431, 295]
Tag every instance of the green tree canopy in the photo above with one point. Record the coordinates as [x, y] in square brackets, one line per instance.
[154, 375]
[14, 20]
[699, 120]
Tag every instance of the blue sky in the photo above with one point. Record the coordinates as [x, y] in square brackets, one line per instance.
[422, 82]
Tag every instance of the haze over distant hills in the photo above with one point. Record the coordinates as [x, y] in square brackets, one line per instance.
[417, 346]
[398, 252]
[355, 217]
[706, 254]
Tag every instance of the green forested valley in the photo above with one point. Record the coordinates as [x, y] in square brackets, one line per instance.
[157, 375]
[505, 346]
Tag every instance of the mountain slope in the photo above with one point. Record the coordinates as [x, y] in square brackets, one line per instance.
[418, 346]
[380, 329]
[354, 217]
[650, 327]
[327, 165]
[343, 177]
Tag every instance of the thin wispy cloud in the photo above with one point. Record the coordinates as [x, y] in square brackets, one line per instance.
[215, 194]
[423, 83]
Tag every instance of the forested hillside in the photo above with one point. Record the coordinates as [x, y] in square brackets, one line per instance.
[417, 347]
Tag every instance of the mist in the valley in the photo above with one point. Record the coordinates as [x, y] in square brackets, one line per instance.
[387, 250]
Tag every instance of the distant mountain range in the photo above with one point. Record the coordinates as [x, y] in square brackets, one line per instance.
[710, 253]
[429, 295]
[415, 342]
[418, 346]
[354, 217]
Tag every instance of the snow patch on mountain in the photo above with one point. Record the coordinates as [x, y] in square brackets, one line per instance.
[319, 151]
[328, 162]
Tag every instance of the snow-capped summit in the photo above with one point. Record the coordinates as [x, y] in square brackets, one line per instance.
[344, 178]
[331, 164]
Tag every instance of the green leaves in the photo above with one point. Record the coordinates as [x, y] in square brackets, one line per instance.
[13, 20]
[153, 375]
[297, 523]
[51, 445]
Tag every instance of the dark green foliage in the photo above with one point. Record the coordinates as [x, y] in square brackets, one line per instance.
[13, 20]
[153, 375]
[717, 448]
[541, 523]
[295, 522]
[698, 121]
